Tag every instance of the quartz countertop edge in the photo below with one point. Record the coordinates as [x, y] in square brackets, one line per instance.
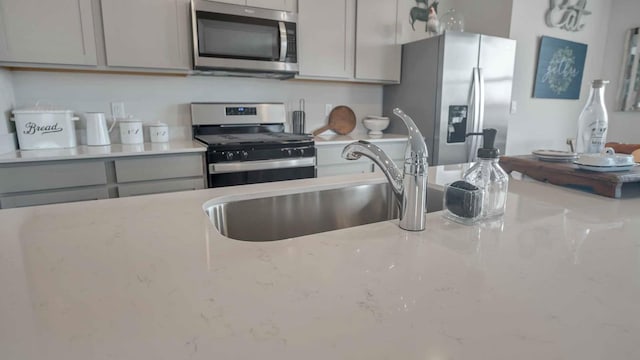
[108, 151]
[150, 277]
[336, 139]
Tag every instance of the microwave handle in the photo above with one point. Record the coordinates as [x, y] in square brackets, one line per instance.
[283, 41]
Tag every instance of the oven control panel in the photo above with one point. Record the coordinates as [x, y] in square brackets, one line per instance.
[229, 155]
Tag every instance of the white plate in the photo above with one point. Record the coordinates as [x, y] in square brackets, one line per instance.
[605, 168]
[555, 155]
[556, 158]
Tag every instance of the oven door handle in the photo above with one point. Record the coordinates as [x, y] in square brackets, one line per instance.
[240, 166]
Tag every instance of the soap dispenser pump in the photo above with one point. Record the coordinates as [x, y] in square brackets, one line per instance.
[486, 174]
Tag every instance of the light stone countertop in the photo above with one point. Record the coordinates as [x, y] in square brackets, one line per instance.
[149, 277]
[97, 152]
[335, 139]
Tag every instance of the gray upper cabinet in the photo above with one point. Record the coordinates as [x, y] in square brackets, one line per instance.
[284, 5]
[349, 39]
[47, 32]
[326, 38]
[147, 33]
[377, 55]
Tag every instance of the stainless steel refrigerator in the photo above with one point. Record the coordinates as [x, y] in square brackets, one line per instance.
[451, 85]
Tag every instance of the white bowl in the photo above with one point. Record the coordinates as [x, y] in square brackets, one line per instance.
[375, 125]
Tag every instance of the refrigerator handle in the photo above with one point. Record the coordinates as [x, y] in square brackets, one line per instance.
[473, 143]
[481, 100]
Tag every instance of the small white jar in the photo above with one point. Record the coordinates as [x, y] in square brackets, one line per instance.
[131, 131]
[159, 133]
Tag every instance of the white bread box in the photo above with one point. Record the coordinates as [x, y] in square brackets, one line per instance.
[45, 127]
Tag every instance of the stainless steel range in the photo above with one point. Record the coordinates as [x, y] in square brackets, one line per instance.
[247, 144]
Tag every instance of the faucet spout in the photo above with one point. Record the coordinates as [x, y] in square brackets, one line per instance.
[360, 148]
[410, 186]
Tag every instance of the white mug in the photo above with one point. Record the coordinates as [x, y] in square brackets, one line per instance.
[131, 132]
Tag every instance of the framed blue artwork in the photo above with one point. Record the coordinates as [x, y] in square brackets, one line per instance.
[560, 68]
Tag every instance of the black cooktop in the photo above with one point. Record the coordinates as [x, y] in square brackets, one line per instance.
[256, 138]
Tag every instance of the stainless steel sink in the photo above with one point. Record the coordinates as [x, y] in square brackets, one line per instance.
[305, 213]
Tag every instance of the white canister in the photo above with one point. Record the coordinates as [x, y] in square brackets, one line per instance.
[159, 133]
[131, 131]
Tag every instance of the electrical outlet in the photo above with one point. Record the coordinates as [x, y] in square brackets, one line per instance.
[117, 110]
[327, 109]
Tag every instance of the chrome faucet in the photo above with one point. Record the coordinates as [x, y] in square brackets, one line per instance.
[410, 186]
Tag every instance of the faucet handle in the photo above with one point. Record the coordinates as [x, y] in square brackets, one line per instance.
[418, 147]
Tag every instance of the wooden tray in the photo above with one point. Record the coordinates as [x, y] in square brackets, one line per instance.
[607, 184]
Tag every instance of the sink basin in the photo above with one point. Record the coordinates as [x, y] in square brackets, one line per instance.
[286, 216]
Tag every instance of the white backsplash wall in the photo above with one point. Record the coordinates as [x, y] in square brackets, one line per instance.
[623, 126]
[547, 123]
[6, 100]
[7, 137]
[167, 98]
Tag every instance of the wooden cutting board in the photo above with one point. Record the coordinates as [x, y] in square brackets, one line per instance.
[561, 173]
[342, 120]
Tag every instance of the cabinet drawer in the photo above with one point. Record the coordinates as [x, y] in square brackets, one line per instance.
[158, 168]
[157, 187]
[53, 197]
[328, 155]
[356, 167]
[51, 176]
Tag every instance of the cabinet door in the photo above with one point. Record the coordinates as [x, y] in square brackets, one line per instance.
[53, 197]
[51, 175]
[146, 33]
[377, 55]
[326, 33]
[284, 5]
[237, 2]
[47, 32]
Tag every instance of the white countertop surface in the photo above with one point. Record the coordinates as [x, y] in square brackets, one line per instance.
[94, 152]
[335, 139]
[149, 277]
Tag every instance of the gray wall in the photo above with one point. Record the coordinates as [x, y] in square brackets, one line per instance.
[491, 17]
[166, 98]
[623, 126]
[547, 123]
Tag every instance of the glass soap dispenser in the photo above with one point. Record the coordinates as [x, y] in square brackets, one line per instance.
[486, 174]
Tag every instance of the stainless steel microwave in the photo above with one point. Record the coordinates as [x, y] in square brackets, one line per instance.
[240, 40]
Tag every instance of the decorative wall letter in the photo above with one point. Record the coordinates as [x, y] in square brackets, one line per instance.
[567, 16]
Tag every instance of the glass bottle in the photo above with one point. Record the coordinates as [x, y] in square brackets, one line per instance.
[593, 121]
[487, 175]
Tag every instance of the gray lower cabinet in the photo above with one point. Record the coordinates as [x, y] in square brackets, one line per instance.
[158, 174]
[330, 161]
[50, 182]
[53, 197]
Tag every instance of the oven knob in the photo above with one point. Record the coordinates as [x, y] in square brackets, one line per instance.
[289, 152]
[229, 156]
[244, 155]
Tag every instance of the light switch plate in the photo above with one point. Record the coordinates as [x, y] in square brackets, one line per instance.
[117, 110]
